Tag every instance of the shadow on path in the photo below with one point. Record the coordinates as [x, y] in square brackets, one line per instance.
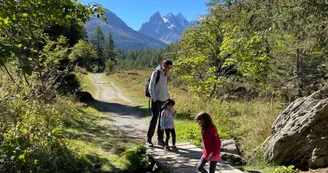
[119, 109]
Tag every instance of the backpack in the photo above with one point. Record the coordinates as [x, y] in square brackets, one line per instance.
[147, 93]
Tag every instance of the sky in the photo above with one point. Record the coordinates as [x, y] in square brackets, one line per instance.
[136, 12]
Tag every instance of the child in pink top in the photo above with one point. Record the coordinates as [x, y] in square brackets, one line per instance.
[211, 142]
[167, 123]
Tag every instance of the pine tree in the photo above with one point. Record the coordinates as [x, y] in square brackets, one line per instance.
[98, 40]
[109, 53]
[109, 49]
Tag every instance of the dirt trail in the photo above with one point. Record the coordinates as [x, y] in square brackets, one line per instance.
[124, 115]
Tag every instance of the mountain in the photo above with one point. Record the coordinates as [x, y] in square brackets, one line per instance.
[167, 29]
[123, 36]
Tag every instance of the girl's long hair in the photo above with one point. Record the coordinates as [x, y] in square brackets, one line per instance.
[169, 102]
[206, 121]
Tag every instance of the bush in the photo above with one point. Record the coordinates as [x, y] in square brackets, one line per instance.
[31, 133]
[136, 159]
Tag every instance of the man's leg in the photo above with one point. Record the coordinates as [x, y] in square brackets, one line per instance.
[153, 121]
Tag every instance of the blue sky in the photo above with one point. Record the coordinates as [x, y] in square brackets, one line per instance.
[136, 12]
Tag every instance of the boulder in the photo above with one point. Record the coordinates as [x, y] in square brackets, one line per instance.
[229, 146]
[299, 135]
[233, 159]
[84, 96]
[230, 153]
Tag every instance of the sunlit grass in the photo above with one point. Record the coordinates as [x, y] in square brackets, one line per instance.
[94, 136]
[132, 84]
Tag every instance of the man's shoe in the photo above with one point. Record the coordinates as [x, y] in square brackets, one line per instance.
[149, 144]
[161, 143]
[174, 148]
[167, 148]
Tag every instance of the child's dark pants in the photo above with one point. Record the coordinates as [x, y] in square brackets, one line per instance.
[167, 133]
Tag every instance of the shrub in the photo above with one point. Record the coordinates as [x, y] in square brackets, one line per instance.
[31, 133]
[136, 159]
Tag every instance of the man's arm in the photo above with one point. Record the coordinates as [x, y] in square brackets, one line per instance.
[152, 84]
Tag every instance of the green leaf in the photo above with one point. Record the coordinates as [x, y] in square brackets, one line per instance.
[21, 157]
[6, 21]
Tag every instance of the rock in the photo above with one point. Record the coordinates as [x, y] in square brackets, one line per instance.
[84, 96]
[229, 146]
[230, 152]
[299, 135]
[233, 159]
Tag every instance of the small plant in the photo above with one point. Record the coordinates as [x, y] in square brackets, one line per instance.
[284, 169]
[166, 169]
[136, 159]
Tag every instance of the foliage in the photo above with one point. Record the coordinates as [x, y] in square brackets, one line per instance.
[109, 65]
[84, 54]
[136, 159]
[109, 48]
[98, 41]
[32, 138]
[24, 32]
[34, 54]
[284, 169]
[255, 46]
[216, 55]
[110, 53]
[164, 169]
[143, 58]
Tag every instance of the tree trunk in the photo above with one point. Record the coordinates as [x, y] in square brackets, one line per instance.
[12, 79]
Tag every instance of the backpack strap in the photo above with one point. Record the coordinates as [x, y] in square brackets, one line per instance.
[157, 77]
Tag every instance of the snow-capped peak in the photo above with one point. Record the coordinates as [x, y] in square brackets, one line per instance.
[168, 28]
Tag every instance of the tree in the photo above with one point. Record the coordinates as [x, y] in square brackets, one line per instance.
[24, 31]
[294, 30]
[110, 53]
[98, 40]
[84, 54]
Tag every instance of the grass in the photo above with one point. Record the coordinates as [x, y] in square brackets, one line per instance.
[86, 82]
[132, 84]
[94, 137]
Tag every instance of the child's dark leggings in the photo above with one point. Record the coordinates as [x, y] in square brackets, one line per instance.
[167, 133]
[202, 162]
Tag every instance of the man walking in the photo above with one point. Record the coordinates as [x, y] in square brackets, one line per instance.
[159, 94]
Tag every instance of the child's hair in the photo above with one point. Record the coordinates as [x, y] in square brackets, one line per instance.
[206, 121]
[169, 102]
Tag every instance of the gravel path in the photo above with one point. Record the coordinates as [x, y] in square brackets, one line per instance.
[124, 115]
